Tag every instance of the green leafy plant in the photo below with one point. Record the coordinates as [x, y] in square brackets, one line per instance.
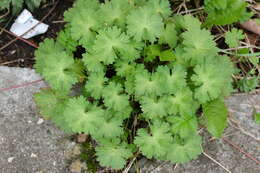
[257, 117]
[233, 37]
[248, 84]
[18, 4]
[223, 12]
[145, 74]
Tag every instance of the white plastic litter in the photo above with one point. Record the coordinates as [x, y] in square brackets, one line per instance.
[24, 22]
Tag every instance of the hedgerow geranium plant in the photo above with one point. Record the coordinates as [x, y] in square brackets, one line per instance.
[146, 75]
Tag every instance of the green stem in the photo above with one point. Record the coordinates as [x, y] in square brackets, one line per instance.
[244, 55]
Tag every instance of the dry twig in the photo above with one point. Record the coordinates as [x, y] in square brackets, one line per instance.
[236, 125]
[21, 86]
[215, 161]
[126, 170]
[241, 151]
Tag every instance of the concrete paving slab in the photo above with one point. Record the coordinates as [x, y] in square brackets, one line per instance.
[28, 144]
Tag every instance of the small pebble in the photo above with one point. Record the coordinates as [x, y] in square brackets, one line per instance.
[12, 52]
[76, 166]
[76, 150]
[71, 145]
[10, 159]
[40, 121]
[33, 155]
[2, 140]
[81, 138]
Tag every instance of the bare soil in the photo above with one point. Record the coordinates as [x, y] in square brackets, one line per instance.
[20, 54]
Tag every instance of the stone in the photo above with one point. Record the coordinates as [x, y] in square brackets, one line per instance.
[10, 159]
[33, 155]
[27, 145]
[77, 150]
[40, 121]
[81, 138]
[76, 166]
[69, 149]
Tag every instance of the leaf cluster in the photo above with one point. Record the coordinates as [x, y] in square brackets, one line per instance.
[233, 37]
[223, 12]
[145, 73]
[16, 5]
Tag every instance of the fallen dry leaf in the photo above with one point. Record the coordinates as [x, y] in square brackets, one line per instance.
[252, 26]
